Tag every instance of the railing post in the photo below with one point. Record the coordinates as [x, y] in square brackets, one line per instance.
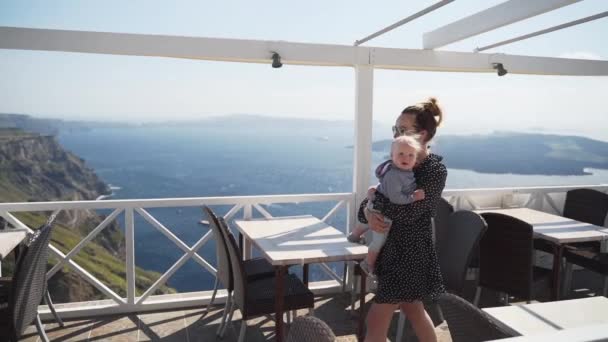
[247, 247]
[130, 250]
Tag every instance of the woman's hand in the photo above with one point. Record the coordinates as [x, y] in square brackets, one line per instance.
[376, 221]
[371, 193]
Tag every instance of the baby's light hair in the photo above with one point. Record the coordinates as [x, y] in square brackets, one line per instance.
[407, 139]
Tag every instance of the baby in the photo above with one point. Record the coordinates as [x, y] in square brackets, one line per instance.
[397, 183]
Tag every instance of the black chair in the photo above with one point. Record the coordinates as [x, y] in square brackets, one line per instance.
[310, 328]
[590, 206]
[254, 268]
[585, 205]
[467, 323]
[459, 244]
[28, 287]
[506, 261]
[441, 227]
[256, 298]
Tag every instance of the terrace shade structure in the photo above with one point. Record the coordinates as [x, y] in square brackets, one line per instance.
[363, 60]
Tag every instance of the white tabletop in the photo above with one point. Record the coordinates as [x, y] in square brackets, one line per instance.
[580, 334]
[299, 240]
[537, 318]
[554, 227]
[9, 239]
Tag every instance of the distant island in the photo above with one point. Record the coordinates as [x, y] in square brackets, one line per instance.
[498, 153]
[518, 153]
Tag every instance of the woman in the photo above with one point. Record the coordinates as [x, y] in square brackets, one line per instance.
[407, 267]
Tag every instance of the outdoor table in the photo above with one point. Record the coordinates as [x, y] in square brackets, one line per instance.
[300, 240]
[531, 319]
[10, 238]
[588, 333]
[559, 231]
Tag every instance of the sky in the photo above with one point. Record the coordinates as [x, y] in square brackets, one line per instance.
[145, 89]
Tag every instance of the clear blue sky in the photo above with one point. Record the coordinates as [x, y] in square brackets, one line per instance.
[94, 87]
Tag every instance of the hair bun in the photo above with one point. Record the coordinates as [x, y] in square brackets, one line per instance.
[433, 108]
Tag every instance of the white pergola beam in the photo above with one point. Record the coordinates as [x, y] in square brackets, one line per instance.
[256, 51]
[403, 21]
[544, 31]
[489, 19]
[429, 60]
[217, 49]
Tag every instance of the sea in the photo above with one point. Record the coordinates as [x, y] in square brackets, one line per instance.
[174, 161]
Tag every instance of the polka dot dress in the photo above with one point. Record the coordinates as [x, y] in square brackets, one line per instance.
[407, 267]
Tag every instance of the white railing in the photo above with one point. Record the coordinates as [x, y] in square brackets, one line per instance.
[548, 199]
[130, 208]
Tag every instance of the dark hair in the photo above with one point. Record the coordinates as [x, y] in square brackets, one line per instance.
[428, 116]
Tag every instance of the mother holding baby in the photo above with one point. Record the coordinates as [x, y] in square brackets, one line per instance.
[407, 268]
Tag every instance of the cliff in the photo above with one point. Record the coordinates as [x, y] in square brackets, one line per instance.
[35, 167]
[39, 168]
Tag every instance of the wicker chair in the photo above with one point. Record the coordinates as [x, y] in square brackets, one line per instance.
[585, 205]
[456, 251]
[257, 297]
[28, 287]
[507, 258]
[441, 227]
[257, 268]
[591, 206]
[310, 328]
[468, 323]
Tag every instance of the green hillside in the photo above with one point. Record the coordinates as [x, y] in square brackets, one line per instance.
[36, 168]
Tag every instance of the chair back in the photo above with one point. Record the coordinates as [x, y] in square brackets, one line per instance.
[455, 251]
[586, 205]
[237, 267]
[440, 220]
[467, 323]
[29, 283]
[506, 255]
[223, 261]
[310, 328]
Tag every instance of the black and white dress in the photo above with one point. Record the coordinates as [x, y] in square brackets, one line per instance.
[407, 266]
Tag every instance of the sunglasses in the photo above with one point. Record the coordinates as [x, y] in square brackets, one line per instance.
[400, 130]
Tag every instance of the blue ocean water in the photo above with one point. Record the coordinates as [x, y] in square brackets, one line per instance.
[198, 161]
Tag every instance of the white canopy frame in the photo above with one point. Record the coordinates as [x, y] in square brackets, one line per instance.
[544, 31]
[503, 14]
[363, 59]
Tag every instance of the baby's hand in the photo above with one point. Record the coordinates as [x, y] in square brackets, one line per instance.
[371, 193]
[418, 195]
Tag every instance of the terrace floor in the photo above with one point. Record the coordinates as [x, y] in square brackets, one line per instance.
[195, 325]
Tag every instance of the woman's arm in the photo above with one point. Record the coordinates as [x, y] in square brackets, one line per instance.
[374, 219]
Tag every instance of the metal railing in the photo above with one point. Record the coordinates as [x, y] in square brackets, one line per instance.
[549, 199]
[133, 303]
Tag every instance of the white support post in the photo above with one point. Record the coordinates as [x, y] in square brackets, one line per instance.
[362, 159]
[247, 246]
[130, 251]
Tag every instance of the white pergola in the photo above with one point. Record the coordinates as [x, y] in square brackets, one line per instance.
[362, 58]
